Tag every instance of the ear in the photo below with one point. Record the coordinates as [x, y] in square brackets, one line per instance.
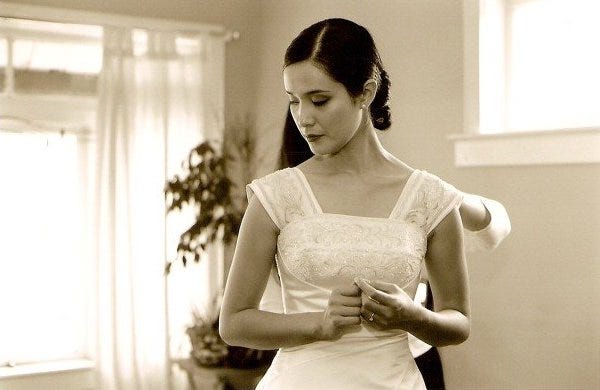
[369, 91]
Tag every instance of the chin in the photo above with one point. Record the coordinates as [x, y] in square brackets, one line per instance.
[322, 150]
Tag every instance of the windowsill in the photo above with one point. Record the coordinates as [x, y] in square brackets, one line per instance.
[76, 374]
[565, 146]
[56, 367]
[80, 102]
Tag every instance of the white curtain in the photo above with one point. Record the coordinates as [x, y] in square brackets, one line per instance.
[159, 95]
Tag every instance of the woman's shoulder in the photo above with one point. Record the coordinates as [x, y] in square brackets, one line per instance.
[275, 176]
[434, 180]
[433, 198]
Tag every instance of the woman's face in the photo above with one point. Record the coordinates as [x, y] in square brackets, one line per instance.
[325, 113]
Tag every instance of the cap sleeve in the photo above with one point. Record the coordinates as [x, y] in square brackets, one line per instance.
[434, 200]
[280, 195]
[263, 189]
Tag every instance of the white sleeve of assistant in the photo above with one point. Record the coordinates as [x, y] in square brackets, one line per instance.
[492, 235]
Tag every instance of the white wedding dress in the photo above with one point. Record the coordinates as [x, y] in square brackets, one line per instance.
[318, 251]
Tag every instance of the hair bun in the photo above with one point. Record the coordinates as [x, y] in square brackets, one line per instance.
[380, 111]
[382, 117]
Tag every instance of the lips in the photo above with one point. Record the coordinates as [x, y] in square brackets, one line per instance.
[313, 137]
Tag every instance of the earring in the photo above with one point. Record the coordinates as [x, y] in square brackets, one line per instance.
[363, 106]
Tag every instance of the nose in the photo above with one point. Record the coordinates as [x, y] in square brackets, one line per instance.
[305, 116]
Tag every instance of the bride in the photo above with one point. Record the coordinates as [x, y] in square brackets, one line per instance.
[349, 231]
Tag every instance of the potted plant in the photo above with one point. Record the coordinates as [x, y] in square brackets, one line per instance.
[208, 349]
[205, 187]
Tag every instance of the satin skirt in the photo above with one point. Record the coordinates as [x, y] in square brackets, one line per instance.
[351, 363]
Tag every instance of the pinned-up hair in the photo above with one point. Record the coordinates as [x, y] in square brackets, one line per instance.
[347, 52]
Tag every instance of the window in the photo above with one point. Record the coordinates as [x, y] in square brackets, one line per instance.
[42, 272]
[553, 62]
[44, 58]
[531, 85]
[48, 75]
[538, 64]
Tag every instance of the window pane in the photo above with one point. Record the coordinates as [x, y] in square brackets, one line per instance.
[43, 282]
[68, 57]
[54, 82]
[56, 67]
[554, 80]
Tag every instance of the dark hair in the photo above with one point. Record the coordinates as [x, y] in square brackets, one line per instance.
[294, 149]
[347, 52]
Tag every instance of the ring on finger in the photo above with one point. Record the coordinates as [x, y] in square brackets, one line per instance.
[371, 317]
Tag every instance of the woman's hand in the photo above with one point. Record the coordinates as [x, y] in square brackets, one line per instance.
[342, 313]
[386, 306]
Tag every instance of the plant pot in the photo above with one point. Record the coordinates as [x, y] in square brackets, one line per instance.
[208, 349]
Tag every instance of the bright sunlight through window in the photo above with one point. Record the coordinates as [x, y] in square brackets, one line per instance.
[554, 66]
[47, 70]
[42, 288]
[539, 63]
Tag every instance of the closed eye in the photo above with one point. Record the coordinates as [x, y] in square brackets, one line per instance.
[320, 102]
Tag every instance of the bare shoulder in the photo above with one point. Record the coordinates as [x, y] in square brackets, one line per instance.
[311, 166]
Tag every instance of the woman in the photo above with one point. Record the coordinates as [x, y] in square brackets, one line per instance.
[348, 229]
[486, 224]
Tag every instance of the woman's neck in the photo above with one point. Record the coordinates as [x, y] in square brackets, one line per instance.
[363, 154]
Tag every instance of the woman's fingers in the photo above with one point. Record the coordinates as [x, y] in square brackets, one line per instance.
[373, 293]
[345, 301]
[347, 311]
[369, 307]
[389, 288]
[347, 321]
[351, 290]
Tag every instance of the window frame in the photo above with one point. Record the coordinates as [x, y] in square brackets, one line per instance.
[78, 374]
[75, 114]
[475, 149]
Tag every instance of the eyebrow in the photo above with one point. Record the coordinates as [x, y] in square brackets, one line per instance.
[312, 92]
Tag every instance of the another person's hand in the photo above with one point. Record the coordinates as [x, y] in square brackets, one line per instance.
[386, 305]
[342, 313]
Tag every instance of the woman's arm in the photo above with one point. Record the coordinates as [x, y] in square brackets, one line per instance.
[447, 270]
[242, 323]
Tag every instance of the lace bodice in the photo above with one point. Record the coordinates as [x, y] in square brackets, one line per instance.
[318, 251]
[330, 250]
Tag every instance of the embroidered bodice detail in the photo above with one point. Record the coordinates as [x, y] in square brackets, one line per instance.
[331, 250]
[282, 195]
[318, 251]
[430, 202]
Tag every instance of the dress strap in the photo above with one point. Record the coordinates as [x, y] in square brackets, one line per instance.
[429, 201]
[283, 196]
[306, 189]
[408, 188]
